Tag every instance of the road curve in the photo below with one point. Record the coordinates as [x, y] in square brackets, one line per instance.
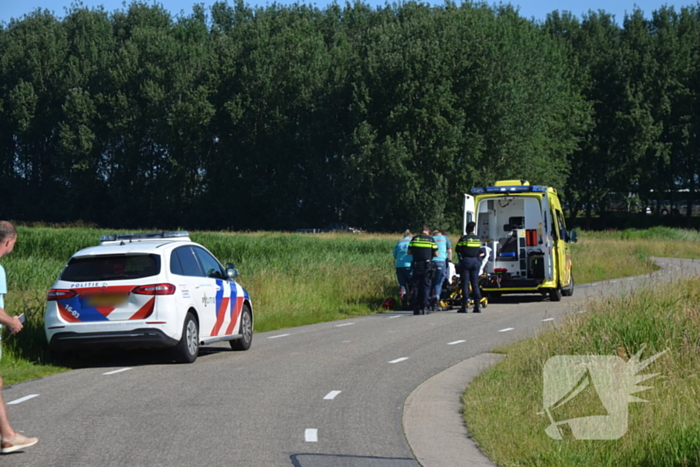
[329, 394]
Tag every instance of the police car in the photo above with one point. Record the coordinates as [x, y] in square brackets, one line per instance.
[148, 290]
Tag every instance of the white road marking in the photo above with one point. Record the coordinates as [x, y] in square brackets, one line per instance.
[117, 371]
[395, 316]
[506, 329]
[399, 360]
[456, 342]
[280, 335]
[331, 395]
[311, 435]
[548, 319]
[346, 324]
[22, 399]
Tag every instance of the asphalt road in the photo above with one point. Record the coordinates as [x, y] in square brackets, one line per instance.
[329, 394]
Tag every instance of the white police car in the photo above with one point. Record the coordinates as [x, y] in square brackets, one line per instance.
[147, 290]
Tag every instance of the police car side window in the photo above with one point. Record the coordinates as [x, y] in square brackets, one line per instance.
[188, 263]
[175, 267]
[211, 266]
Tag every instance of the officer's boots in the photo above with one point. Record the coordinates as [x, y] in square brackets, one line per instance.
[477, 306]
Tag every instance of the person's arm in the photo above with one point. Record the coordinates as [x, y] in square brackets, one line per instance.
[11, 322]
[449, 249]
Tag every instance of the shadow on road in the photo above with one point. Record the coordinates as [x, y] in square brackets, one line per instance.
[337, 460]
[108, 358]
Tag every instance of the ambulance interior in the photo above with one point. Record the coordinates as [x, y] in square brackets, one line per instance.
[513, 229]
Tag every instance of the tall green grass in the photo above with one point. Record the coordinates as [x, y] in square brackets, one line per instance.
[293, 279]
[501, 406]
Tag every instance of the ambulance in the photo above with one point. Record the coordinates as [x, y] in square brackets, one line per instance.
[524, 235]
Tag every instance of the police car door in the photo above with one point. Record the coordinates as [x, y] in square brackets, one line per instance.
[225, 295]
[201, 289]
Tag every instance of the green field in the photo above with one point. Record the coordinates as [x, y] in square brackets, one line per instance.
[501, 406]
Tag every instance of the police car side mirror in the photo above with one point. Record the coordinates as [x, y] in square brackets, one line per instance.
[572, 236]
[231, 271]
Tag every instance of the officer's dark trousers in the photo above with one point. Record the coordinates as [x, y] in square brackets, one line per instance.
[422, 283]
[469, 273]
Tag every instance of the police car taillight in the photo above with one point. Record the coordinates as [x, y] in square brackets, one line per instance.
[154, 289]
[59, 294]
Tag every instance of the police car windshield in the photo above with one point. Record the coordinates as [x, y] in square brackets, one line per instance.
[106, 268]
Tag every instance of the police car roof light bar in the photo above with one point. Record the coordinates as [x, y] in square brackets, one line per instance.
[174, 235]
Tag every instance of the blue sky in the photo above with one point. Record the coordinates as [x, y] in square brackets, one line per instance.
[528, 8]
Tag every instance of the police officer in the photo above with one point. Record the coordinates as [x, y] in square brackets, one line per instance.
[423, 249]
[469, 251]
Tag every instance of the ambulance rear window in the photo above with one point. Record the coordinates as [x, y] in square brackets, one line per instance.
[111, 268]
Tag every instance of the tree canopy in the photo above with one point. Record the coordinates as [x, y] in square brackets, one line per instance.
[286, 117]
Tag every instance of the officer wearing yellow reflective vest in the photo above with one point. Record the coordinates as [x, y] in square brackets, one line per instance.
[469, 251]
[422, 248]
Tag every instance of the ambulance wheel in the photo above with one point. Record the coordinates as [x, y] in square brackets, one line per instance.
[569, 291]
[555, 295]
[246, 329]
[187, 349]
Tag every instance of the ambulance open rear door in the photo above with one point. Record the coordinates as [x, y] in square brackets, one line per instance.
[468, 212]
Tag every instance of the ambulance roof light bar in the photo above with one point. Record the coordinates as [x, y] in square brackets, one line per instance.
[181, 235]
[509, 189]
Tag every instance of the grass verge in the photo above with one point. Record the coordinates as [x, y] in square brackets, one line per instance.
[501, 406]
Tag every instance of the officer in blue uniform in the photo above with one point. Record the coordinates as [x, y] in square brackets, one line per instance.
[444, 255]
[469, 251]
[423, 249]
[403, 266]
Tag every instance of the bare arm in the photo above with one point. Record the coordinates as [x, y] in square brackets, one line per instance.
[11, 322]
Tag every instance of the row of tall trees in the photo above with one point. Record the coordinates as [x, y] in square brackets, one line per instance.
[284, 117]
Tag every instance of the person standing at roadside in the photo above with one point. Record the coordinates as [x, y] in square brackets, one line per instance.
[403, 267]
[469, 251]
[11, 440]
[444, 254]
[423, 249]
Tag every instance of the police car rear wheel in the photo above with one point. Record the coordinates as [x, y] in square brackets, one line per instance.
[246, 330]
[187, 349]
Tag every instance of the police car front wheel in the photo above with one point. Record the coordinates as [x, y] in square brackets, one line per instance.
[246, 331]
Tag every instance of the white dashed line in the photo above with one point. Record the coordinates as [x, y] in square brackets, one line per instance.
[399, 360]
[506, 329]
[548, 319]
[346, 324]
[117, 371]
[311, 435]
[456, 342]
[395, 316]
[331, 395]
[22, 399]
[280, 335]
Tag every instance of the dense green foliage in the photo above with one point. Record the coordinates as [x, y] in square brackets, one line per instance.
[284, 117]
